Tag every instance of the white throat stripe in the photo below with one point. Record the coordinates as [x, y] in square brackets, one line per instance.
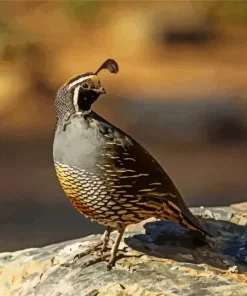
[79, 81]
[75, 98]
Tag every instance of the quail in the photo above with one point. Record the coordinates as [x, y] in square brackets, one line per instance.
[105, 173]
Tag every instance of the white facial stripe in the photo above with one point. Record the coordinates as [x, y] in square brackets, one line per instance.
[79, 81]
[75, 98]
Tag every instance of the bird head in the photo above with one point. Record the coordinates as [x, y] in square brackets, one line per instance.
[81, 91]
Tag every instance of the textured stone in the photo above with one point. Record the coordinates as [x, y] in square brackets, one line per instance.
[114, 289]
[242, 221]
[156, 259]
[240, 207]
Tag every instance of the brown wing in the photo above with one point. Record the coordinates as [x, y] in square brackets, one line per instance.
[136, 167]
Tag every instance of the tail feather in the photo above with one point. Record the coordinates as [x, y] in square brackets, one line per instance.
[175, 210]
[183, 216]
[190, 221]
[194, 224]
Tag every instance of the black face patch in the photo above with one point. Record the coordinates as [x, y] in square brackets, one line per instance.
[86, 99]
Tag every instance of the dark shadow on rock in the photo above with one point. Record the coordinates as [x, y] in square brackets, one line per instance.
[228, 247]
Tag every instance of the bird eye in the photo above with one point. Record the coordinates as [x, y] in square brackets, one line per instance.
[85, 85]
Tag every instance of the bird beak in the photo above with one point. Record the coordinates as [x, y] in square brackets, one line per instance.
[101, 91]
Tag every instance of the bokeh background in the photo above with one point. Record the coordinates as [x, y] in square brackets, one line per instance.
[181, 92]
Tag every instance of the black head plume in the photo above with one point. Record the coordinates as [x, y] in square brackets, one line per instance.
[110, 65]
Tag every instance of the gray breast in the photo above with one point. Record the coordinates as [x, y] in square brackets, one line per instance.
[79, 144]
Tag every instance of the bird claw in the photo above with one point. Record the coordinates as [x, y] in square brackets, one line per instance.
[99, 256]
[92, 249]
[110, 265]
[95, 260]
[100, 252]
[67, 264]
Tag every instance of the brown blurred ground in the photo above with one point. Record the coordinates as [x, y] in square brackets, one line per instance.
[181, 92]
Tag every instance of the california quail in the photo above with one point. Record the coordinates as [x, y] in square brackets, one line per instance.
[106, 174]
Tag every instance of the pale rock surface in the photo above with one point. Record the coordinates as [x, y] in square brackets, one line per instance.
[156, 259]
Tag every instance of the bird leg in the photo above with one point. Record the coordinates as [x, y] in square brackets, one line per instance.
[114, 249]
[112, 253]
[105, 238]
[94, 248]
[103, 242]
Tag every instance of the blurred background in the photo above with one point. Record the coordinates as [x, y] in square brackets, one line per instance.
[181, 92]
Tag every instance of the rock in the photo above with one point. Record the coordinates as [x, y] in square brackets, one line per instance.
[240, 207]
[156, 258]
[114, 289]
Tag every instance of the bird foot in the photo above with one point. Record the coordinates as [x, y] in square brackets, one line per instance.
[100, 251]
[98, 258]
[90, 250]
[104, 254]
[94, 249]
